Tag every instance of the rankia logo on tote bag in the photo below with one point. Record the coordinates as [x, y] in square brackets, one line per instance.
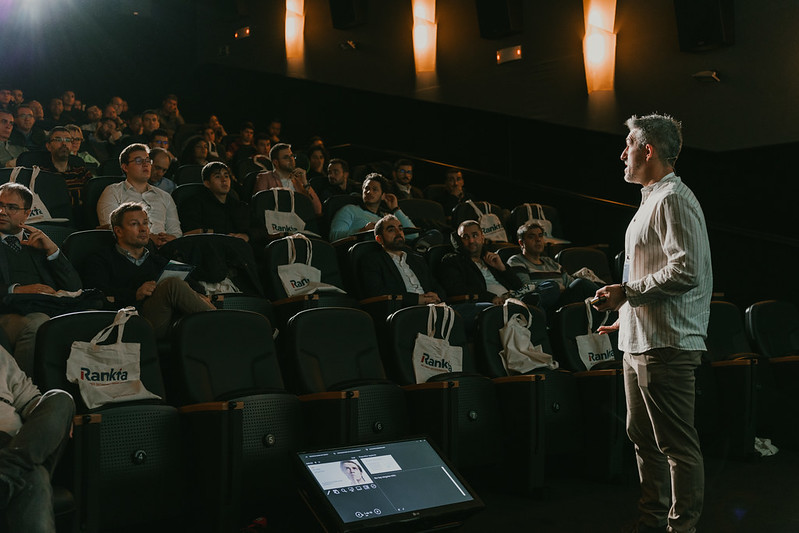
[594, 348]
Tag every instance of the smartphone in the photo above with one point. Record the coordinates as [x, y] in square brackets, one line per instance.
[599, 300]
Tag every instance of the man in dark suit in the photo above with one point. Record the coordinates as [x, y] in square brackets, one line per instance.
[30, 263]
[395, 271]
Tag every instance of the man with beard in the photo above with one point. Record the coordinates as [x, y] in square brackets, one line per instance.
[286, 175]
[26, 132]
[8, 150]
[71, 167]
[336, 182]
[403, 174]
[103, 142]
[376, 203]
[396, 270]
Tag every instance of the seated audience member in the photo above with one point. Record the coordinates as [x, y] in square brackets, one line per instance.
[161, 211]
[474, 270]
[275, 125]
[93, 116]
[159, 139]
[7, 102]
[403, 174]
[59, 144]
[76, 148]
[395, 271]
[263, 146]
[286, 175]
[317, 158]
[8, 151]
[242, 147]
[171, 118]
[215, 210]
[133, 127]
[195, 152]
[30, 263]
[129, 274]
[105, 141]
[35, 429]
[209, 134]
[150, 122]
[219, 129]
[161, 163]
[336, 182]
[55, 115]
[38, 110]
[72, 107]
[453, 192]
[555, 286]
[112, 111]
[18, 96]
[26, 132]
[376, 204]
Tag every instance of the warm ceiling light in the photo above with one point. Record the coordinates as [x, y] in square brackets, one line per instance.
[599, 44]
[424, 35]
[295, 26]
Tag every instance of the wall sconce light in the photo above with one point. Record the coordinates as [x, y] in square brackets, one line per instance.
[599, 44]
[295, 26]
[424, 35]
[242, 33]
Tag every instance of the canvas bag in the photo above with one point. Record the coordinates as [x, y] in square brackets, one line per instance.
[39, 211]
[540, 218]
[432, 355]
[108, 373]
[593, 347]
[518, 353]
[301, 278]
[287, 222]
[489, 222]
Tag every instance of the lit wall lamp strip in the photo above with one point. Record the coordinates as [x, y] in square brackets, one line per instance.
[424, 35]
[599, 44]
[295, 26]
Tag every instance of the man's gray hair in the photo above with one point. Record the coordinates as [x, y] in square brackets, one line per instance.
[661, 131]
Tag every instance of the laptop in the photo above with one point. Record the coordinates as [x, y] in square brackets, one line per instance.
[402, 485]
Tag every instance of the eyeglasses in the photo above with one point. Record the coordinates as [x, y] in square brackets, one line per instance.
[141, 161]
[24, 115]
[403, 171]
[162, 143]
[61, 140]
[160, 168]
[11, 209]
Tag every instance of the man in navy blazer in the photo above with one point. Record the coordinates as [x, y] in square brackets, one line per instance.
[395, 271]
[30, 263]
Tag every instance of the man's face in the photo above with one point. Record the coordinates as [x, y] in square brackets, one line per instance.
[219, 184]
[38, 110]
[105, 129]
[58, 145]
[150, 122]
[56, 106]
[5, 96]
[210, 136]
[372, 192]
[404, 174]
[160, 141]
[6, 125]
[18, 96]
[284, 160]
[77, 139]
[134, 231]
[352, 471]
[201, 150]
[274, 129]
[472, 239]
[246, 135]
[13, 213]
[118, 104]
[110, 111]
[160, 167]
[533, 241]
[336, 175]
[138, 172]
[262, 146]
[68, 98]
[392, 238]
[94, 113]
[634, 157]
[454, 183]
[25, 119]
[170, 106]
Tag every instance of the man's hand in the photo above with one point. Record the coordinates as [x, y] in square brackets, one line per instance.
[36, 288]
[494, 260]
[298, 177]
[614, 298]
[429, 298]
[499, 300]
[145, 290]
[604, 330]
[391, 200]
[369, 227]
[242, 236]
[39, 240]
[162, 238]
[11, 163]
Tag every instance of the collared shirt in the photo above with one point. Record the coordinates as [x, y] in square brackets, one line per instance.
[160, 207]
[52, 257]
[412, 284]
[492, 285]
[138, 261]
[667, 265]
[165, 184]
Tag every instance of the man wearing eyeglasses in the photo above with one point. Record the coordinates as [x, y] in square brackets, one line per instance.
[71, 167]
[30, 263]
[161, 163]
[8, 151]
[26, 132]
[161, 211]
[403, 174]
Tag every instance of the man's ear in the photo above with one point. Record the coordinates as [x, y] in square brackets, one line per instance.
[379, 239]
[650, 152]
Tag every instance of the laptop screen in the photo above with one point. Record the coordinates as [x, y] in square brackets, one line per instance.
[384, 483]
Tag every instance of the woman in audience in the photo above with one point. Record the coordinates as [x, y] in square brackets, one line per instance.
[219, 129]
[317, 155]
[195, 152]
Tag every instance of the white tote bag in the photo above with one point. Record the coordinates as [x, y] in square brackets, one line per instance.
[518, 353]
[39, 211]
[489, 222]
[301, 278]
[108, 373]
[287, 222]
[433, 355]
[535, 214]
[593, 347]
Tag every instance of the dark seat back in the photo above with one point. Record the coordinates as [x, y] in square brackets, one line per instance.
[773, 328]
[488, 343]
[81, 245]
[265, 201]
[189, 174]
[92, 190]
[571, 321]
[519, 216]
[577, 257]
[323, 257]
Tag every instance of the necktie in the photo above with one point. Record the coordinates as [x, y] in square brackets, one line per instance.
[12, 242]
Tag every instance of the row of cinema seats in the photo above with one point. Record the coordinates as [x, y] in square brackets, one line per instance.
[235, 405]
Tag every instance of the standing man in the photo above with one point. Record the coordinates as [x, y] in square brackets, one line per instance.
[664, 306]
